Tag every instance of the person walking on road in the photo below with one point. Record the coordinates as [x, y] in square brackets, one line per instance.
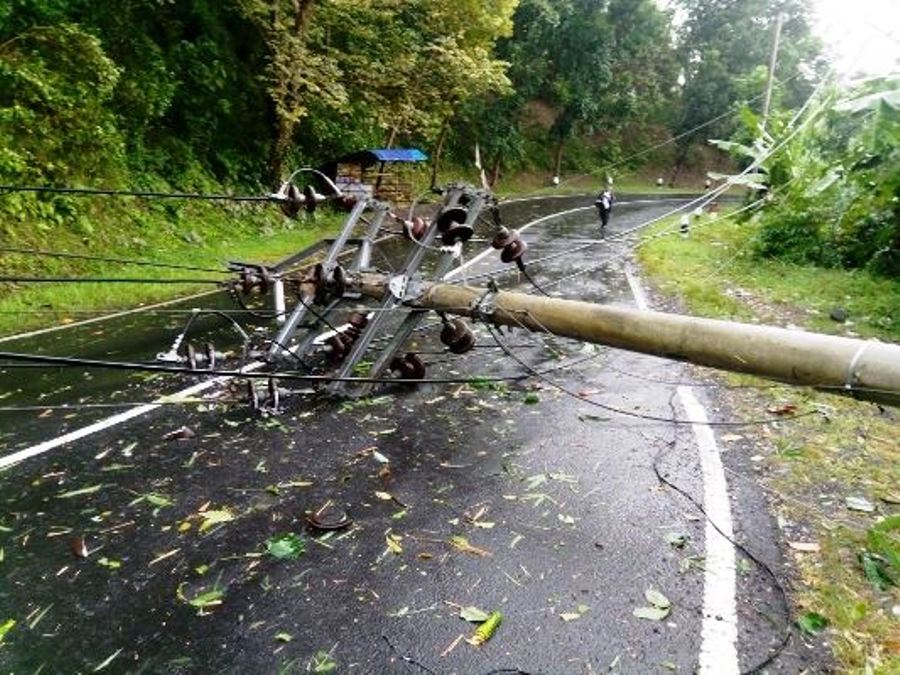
[604, 203]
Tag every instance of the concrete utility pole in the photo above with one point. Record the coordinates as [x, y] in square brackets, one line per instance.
[791, 356]
[773, 60]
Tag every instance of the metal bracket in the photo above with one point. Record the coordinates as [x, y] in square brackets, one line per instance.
[483, 308]
[404, 288]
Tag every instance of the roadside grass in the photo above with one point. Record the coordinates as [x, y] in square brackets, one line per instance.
[203, 236]
[813, 464]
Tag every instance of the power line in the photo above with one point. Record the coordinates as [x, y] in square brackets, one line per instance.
[124, 261]
[132, 193]
[102, 280]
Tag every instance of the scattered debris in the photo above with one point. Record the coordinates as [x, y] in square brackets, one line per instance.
[215, 517]
[78, 548]
[577, 614]
[163, 556]
[180, 434]
[286, 546]
[804, 546]
[204, 601]
[473, 614]
[659, 609]
[329, 519]
[783, 409]
[322, 662]
[812, 623]
[283, 637]
[462, 545]
[677, 539]
[108, 660]
[486, 630]
[860, 504]
[110, 563]
[79, 492]
[5, 627]
[393, 543]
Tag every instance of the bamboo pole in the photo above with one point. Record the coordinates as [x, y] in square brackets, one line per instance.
[865, 368]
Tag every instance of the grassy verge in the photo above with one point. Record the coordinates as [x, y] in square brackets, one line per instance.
[200, 235]
[816, 468]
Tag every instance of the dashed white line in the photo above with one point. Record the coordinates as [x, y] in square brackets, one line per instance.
[718, 633]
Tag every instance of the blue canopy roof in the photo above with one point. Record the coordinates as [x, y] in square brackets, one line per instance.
[398, 155]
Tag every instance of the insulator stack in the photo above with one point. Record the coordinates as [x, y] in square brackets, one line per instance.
[408, 367]
[205, 360]
[457, 336]
[451, 223]
[510, 244]
[340, 343]
[328, 286]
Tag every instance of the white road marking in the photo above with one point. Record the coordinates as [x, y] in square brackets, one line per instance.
[105, 317]
[718, 634]
[116, 420]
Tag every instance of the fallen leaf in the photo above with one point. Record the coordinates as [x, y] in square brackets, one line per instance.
[284, 637]
[5, 627]
[676, 539]
[812, 623]
[570, 616]
[462, 544]
[657, 599]
[81, 491]
[110, 563]
[784, 409]
[860, 504]
[651, 613]
[473, 614]
[804, 546]
[568, 520]
[379, 457]
[213, 518]
[487, 629]
[286, 546]
[393, 543]
[384, 496]
[484, 524]
[181, 434]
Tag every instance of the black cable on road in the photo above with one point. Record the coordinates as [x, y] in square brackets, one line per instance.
[630, 413]
[103, 280]
[123, 261]
[776, 651]
[47, 189]
[60, 361]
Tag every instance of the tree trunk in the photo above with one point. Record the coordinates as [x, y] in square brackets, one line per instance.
[557, 162]
[436, 159]
[284, 138]
[679, 164]
[495, 172]
[391, 137]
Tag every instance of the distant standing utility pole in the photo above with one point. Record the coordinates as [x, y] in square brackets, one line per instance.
[773, 60]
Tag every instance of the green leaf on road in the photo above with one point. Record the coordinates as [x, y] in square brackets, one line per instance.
[812, 623]
[473, 614]
[651, 613]
[213, 518]
[657, 599]
[286, 546]
[5, 627]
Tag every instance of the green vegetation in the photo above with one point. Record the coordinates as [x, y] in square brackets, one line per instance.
[204, 96]
[814, 464]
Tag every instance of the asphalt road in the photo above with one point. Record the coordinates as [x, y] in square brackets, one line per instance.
[513, 497]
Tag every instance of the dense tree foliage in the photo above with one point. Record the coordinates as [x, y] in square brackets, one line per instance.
[212, 93]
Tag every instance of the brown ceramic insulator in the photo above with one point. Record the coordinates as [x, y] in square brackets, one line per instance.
[309, 195]
[513, 251]
[450, 215]
[457, 336]
[457, 233]
[293, 202]
[503, 237]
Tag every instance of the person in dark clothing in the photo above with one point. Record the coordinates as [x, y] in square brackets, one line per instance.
[604, 204]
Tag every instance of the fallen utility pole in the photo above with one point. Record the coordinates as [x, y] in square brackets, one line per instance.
[866, 369]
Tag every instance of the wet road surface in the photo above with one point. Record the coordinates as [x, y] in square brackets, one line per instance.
[509, 497]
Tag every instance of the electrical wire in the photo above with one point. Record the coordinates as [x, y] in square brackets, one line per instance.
[102, 280]
[788, 631]
[124, 261]
[48, 189]
[630, 413]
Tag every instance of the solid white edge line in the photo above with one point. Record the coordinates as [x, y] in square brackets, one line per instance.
[115, 420]
[719, 628]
